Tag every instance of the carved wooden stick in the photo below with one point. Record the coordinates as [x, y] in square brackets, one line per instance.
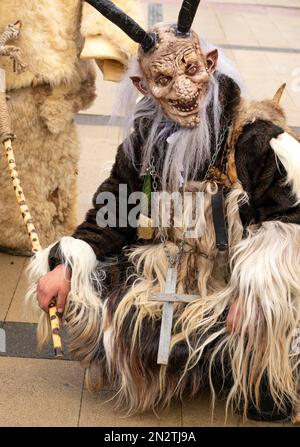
[6, 137]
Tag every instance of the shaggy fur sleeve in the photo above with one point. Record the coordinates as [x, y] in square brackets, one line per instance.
[265, 268]
[106, 241]
[264, 177]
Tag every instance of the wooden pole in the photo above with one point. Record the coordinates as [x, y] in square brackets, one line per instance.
[6, 137]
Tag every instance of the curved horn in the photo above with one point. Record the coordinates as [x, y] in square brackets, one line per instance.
[278, 94]
[109, 10]
[186, 16]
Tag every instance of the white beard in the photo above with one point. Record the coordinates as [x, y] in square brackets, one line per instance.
[187, 150]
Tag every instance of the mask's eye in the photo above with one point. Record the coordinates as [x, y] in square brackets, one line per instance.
[191, 70]
[164, 80]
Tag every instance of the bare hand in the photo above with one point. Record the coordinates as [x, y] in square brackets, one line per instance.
[54, 284]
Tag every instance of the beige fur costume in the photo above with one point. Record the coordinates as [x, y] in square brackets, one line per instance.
[42, 105]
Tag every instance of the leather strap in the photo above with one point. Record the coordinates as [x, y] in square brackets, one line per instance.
[219, 219]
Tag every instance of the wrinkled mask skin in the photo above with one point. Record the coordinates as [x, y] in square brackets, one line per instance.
[177, 74]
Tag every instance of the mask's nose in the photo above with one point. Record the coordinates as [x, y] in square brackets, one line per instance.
[185, 88]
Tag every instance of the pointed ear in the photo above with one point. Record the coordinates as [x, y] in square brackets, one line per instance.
[137, 82]
[211, 61]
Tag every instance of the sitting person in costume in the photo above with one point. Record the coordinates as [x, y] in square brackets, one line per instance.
[234, 289]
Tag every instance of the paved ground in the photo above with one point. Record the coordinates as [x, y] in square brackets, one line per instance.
[263, 39]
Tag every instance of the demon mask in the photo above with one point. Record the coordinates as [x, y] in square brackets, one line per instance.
[175, 72]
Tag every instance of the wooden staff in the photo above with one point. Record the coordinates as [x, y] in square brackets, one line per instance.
[6, 137]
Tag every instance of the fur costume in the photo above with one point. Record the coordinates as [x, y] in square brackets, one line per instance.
[112, 321]
[43, 102]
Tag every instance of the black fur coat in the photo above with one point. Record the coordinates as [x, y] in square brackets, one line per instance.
[260, 173]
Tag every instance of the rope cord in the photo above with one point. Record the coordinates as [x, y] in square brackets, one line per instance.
[11, 32]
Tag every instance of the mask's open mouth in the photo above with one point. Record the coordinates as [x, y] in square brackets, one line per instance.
[186, 106]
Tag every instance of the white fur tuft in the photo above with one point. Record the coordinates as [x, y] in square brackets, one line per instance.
[288, 151]
[80, 257]
[86, 282]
